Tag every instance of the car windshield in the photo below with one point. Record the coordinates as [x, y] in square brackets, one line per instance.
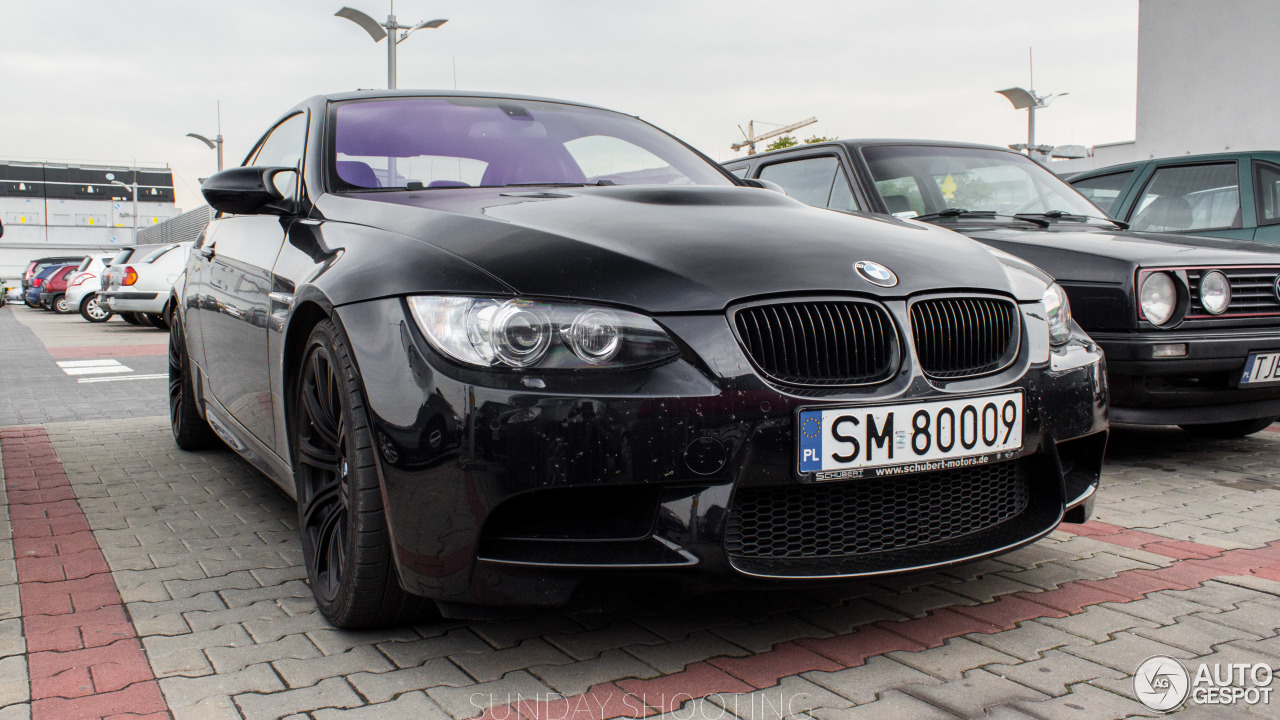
[916, 180]
[422, 143]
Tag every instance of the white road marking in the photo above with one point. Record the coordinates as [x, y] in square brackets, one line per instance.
[87, 363]
[156, 376]
[98, 370]
[93, 367]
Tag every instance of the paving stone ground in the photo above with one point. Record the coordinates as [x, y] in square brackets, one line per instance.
[140, 581]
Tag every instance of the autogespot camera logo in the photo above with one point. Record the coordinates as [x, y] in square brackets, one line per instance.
[1161, 683]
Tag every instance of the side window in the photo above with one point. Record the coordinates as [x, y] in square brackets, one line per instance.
[809, 180]
[1189, 197]
[1103, 190]
[740, 172]
[284, 145]
[1267, 184]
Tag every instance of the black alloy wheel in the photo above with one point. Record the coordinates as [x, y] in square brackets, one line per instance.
[92, 309]
[190, 430]
[345, 543]
[1229, 430]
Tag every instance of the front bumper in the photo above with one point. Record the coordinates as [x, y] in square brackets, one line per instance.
[134, 301]
[502, 493]
[1202, 387]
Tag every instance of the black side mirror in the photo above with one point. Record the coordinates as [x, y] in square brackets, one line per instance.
[248, 191]
[763, 184]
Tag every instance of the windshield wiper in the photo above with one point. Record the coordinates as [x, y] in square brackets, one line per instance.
[598, 183]
[961, 212]
[1060, 215]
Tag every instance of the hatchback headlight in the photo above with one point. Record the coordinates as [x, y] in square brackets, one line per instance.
[488, 332]
[1158, 297]
[1215, 292]
[1058, 313]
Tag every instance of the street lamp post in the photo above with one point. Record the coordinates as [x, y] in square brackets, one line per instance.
[1028, 100]
[133, 187]
[387, 30]
[216, 143]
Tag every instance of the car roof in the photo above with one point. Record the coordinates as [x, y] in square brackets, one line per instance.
[411, 93]
[1272, 155]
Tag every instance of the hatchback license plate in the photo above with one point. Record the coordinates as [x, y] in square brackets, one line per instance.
[846, 442]
[1261, 368]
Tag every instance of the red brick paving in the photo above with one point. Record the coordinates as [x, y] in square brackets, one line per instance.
[763, 669]
[85, 660]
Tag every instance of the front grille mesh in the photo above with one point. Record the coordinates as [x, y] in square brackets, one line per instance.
[820, 342]
[964, 336]
[1253, 291]
[874, 515]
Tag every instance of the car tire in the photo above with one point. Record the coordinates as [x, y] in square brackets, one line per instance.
[92, 309]
[157, 321]
[346, 545]
[131, 318]
[60, 305]
[1229, 430]
[190, 430]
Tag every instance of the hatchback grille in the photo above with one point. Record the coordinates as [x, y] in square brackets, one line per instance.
[820, 342]
[874, 515]
[1253, 292]
[962, 337]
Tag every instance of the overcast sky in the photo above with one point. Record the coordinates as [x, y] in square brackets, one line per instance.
[126, 80]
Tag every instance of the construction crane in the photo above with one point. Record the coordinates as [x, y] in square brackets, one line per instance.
[752, 138]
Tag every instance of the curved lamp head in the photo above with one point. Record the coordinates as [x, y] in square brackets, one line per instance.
[371, 26]
[204, 140]
[1020, 98]
[428, 24]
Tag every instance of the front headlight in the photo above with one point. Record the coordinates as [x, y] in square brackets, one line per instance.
[1158, 298]
[1058, 313]
[1215, 292]
[488, 332]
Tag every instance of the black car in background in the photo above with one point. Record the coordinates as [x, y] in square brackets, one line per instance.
[515, 351]
[1190, 325]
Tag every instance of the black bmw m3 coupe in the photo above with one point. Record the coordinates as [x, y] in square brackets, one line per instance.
[517, 351]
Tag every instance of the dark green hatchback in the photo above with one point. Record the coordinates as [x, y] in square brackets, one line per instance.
[1233, 195]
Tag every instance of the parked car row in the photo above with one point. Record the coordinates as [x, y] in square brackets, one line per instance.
[86, 285]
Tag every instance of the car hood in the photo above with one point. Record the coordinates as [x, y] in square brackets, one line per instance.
[1079, 254]
[671, 249]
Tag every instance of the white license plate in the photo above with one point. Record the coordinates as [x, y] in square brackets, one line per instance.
[1261, 368]
[847, 442]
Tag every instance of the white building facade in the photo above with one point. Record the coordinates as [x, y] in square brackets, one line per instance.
[54, 209]
[1207, 73]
